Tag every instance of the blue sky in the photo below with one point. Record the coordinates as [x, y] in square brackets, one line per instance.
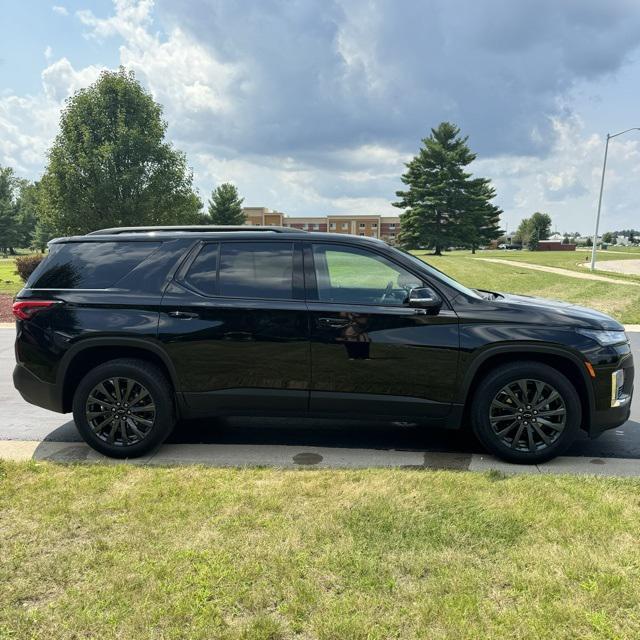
[312, 107]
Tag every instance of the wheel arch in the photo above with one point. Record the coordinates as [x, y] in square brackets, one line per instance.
[569, 364]
[90, 353]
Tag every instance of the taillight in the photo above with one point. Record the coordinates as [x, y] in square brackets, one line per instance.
[25, 309]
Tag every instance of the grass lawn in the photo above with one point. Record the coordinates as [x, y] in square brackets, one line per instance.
[114, 551]
[619, 300]
[10, 282]
[572, 260]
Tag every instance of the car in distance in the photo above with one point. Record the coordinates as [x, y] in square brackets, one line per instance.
[135, 328]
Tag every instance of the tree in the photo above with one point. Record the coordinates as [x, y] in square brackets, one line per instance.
[566, 239]
[541, 222]
[481, 220]
[589, 242]
[225, 205]
[17, 211]
[443, 205]
[534, 240]
[110, 164]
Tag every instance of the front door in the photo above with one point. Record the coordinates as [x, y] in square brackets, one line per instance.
[235, 325]
[370, 352]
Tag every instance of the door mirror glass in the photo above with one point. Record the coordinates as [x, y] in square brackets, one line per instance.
[424, 298]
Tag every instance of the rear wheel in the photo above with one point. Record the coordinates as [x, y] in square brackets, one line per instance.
[124, 408]
[526, 412]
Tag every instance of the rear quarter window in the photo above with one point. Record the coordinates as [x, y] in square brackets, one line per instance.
[89, 265]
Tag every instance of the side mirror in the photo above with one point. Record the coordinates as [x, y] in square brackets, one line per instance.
[424, 298]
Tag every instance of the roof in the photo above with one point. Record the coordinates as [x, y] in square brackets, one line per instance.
[213, 231]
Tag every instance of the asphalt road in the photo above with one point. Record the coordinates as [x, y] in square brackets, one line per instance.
[22, 421]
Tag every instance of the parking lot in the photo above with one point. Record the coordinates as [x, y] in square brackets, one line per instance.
[271, 441]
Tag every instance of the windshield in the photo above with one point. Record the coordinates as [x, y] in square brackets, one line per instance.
[454, 284]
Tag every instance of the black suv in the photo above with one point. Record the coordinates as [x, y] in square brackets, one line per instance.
[134, 328]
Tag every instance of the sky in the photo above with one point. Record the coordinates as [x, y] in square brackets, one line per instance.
[312, 107]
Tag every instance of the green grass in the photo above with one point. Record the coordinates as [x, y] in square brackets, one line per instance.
[10, 282]
[113, 551]
[619, 300]
[572, 260]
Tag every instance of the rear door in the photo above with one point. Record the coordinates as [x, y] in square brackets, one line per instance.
[370, 352]
[234, 322]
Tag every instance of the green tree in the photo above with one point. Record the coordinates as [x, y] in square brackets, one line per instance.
[566, 239]
[540, 222]
[442, 202]
[110, 164]
[534, 240]
[225, 205]
[17, 211]
[481, 218]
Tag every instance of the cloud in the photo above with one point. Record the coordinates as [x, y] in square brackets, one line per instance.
[60, 10]
[314, 107]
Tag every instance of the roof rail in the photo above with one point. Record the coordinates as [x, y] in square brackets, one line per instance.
[212, 228]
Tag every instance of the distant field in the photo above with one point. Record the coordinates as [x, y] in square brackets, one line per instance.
[619, 300]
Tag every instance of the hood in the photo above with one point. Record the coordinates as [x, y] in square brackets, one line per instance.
[558, 312]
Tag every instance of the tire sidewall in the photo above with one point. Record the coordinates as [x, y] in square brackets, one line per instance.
[149, 376]
[495, 381]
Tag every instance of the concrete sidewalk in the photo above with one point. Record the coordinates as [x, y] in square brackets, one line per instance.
[283, 456]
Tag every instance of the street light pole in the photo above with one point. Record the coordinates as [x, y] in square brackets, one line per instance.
[604, 168]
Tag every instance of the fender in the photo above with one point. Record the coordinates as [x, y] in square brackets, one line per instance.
[524, 348]
[148, 344]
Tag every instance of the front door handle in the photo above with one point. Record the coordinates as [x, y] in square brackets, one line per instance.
[183, 315]
[334, 323]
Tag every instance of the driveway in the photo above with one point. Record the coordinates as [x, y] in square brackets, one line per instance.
[262, 436]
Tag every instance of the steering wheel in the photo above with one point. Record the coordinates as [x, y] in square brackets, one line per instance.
[387, 291]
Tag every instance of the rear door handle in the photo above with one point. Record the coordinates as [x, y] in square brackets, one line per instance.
[183, 315]
[335, 323]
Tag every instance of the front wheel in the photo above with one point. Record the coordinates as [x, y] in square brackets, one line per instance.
[124, 408]
[526, 412]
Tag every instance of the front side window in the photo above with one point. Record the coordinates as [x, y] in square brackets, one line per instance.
[256, 270]
[353, 275]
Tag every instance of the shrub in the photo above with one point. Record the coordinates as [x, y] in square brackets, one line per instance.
[26, 265]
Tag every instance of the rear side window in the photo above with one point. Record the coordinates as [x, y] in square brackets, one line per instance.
[256, 270]
[89, 265]
[203, 273]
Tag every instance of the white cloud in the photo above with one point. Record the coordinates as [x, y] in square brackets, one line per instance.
[60, 10]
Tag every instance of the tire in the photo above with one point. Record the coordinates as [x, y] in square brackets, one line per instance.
[141, 421]
[508, 429]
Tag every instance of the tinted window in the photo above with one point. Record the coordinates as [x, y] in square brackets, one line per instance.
[89, 265]
[345, 274]
[256, 269]
[203, 272]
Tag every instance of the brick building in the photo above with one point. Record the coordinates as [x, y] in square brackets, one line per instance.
[373, 226]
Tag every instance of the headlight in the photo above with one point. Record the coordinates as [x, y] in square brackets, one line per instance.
[604, 338]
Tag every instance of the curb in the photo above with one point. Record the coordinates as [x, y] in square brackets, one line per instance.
[288, 457]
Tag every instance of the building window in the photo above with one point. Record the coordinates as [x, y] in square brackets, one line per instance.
[332, 225]
[362, 234]
[345, 225]
[374, 225]
[392, 226]
[316, 227]
[362, 225]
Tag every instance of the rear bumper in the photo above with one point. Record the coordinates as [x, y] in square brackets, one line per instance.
[35, 391]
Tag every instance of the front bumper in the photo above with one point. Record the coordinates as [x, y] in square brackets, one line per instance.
[35, 391]
[612, 403]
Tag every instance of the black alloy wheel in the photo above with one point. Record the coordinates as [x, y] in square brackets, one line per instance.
[120, 411]
[124, 408]
[528, 415]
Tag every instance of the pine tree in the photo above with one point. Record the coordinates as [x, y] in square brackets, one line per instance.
[225, 205]
[443, 205]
